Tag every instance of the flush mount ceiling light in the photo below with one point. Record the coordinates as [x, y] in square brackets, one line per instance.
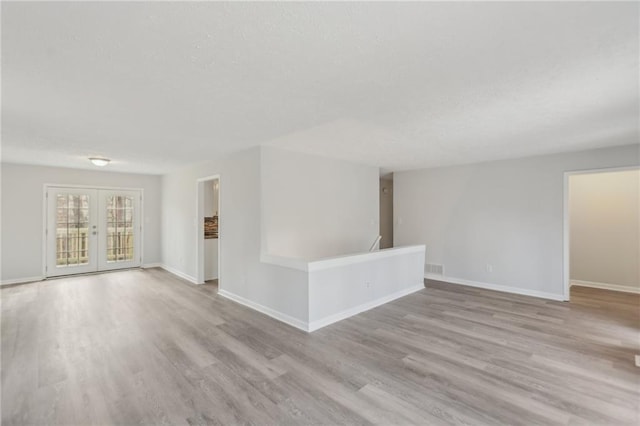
[98, 161]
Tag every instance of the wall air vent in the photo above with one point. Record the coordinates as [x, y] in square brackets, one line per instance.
[432, 268]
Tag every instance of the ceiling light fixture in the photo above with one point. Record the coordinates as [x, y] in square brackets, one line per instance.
[98, 161]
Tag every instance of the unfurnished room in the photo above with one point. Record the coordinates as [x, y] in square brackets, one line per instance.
[333, 213]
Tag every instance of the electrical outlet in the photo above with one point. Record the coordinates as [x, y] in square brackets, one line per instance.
[368, 284]
[489, 267]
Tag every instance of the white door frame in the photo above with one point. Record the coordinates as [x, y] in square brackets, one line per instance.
[45, 189]
[54, 270]
[136, 262]
[566, 241]
[200, 227]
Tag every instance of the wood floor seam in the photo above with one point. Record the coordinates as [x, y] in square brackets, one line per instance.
[145, 347]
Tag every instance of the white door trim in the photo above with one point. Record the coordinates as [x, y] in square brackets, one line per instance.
[566, 242]
[53, 269]
[103, 265]
[45, 189]
[200, 227]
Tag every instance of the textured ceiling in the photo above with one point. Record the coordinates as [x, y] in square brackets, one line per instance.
[156, 86]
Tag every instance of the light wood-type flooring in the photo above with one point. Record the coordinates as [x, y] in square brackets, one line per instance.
[145, 347]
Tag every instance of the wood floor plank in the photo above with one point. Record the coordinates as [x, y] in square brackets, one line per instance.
[146, 347]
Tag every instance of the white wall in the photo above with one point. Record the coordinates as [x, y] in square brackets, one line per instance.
[241, 273]
[508, 214]
[386, 213]
[270, 288]
[342, 287]
[210, 259]
[211, 197]
[314, 207]
[179, 219]
[22, 212]
[605, 228]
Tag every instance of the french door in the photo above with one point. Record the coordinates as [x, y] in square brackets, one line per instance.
[90, 230]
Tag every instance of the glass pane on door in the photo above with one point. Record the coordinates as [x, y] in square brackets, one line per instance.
[72, 230]
[120, 226]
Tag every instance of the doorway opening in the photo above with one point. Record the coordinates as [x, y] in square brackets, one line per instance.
[386, 211]
[91, 229]
[208, 229]
[602, 232]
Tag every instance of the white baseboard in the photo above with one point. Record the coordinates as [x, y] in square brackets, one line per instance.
[317, 324]
[496, 287]
[606, 286]
[145, 266]
[179, 273]
[21, 280]
[287, 319]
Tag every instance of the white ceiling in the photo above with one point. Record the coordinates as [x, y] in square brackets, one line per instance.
[156, 86]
